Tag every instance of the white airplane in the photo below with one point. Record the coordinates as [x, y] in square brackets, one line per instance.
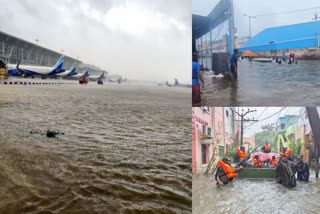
[68, 73]
[97, 77]
[29, 70]
[80, 75]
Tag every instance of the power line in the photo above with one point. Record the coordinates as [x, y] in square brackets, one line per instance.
[267, 117]
[295, 11]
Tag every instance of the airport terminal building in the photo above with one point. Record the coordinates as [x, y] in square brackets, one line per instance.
[13, 49]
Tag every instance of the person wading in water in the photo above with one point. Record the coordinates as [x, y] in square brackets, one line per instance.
[234, 65]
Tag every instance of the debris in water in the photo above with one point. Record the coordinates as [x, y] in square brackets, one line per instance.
[48, 133]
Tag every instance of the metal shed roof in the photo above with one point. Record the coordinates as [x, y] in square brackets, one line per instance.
[284, 37]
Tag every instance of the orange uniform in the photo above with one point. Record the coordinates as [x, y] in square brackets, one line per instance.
[287, 153]
[273, 162]
[267, 148]
[257, 162]
[241, 154]
[228, 170]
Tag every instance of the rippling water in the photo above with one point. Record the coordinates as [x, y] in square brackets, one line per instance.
[126, 149]
[254, 196]
[266, 84]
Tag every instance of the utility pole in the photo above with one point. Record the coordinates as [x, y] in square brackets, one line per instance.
[316, 39]
[242, 119]
[314, 121]
[250, 23]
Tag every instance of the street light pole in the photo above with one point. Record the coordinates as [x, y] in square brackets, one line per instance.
[37, 57]
[250, 23]
[316, 38]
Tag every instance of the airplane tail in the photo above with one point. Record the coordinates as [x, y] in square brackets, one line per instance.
[57, 68]
[73, 70]
[86, 74]
[101, 76]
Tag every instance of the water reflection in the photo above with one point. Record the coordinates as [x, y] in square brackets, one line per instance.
[266, 84]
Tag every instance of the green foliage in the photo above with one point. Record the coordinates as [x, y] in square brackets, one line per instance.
[231, 151]
[266, 136]
[295, 147]
[268, 127]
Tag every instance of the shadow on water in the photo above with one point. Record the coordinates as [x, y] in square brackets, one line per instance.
[266, 84]
[123, 151]
[254, 196]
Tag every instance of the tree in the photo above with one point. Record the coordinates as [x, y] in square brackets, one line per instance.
[266, 136]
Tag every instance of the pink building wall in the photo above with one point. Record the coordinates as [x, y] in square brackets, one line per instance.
[219, 128]
[199, 118]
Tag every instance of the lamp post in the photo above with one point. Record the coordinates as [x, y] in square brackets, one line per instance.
[37, 57]
[316, 38]
[250, 23]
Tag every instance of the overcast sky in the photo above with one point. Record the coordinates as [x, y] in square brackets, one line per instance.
[264, 112]
[140, 39]
[258, 7]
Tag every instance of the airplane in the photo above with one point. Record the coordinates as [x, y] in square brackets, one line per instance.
[97, 77]
[80, 75]
[71, 72]
[30, 70]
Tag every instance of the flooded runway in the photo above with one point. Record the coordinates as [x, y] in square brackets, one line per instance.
[266, 84]
[125, 149]
[254, 196]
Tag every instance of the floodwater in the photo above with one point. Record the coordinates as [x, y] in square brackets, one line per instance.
[266, 84]
[125, 149]
[254, 196]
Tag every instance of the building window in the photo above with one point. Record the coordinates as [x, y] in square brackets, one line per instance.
[227, 113]
[282, 126]
[209, 131]
[204, 153]
[204, 130]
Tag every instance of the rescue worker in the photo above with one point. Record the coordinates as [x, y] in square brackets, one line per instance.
[287, 152]
[256, 161]
[285, 172]
[266, 148]
[273, 162]
[242, 154]
[303, 170]
[225, 172]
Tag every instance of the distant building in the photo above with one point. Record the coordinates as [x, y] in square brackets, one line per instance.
[284, 122]
[13, 49]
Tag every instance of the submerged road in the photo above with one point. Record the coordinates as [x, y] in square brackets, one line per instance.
[266, 84]
[254, 196]
[125, 149]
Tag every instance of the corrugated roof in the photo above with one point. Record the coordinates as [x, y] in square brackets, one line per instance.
[284, 37]
[203, 24]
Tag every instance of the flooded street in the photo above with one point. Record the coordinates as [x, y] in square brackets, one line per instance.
[254, 196]
[266, 84]
[125, 149]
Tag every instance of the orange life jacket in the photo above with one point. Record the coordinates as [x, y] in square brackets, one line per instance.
[257, 163]
[228, 170]
[267, 147]
[287, 153]
[273, 162]
[241, 154]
